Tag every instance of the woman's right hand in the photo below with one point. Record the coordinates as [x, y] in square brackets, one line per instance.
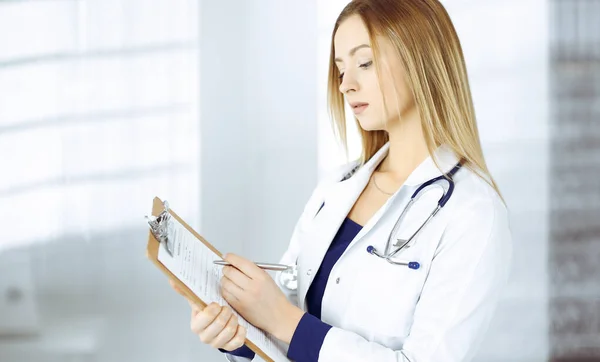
[216, 325]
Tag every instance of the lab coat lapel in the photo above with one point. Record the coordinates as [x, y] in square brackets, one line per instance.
[339, 200]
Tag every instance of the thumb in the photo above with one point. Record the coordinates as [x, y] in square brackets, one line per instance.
[174, 286]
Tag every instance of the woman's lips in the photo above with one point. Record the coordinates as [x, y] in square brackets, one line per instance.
[359, 108]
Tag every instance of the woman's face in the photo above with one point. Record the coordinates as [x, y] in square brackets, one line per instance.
[359, 83]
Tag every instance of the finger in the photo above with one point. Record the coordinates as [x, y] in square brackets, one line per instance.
[237, 277]
[237, 341]
[231, 299]
[195, 308]
[193, 304]
[227, 333]
[244, 265]
[231, 288]
[202, 320]
[213, 329]
[179, 290]
[174, 286]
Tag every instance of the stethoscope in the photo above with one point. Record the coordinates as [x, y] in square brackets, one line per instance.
[288, 278]
[401, 244]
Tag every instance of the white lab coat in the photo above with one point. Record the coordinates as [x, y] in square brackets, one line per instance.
[383, 312]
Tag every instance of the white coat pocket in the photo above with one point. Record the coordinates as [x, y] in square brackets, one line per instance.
[384, 298]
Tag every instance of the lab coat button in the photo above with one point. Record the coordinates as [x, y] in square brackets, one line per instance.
[337, 281]
[309, 272]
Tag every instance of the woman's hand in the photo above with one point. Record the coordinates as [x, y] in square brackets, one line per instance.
[255, 296]
[215, 325]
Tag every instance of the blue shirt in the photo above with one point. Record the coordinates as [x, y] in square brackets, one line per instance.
[311, 331]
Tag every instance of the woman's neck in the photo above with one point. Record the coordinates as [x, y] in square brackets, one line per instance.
[408, 148]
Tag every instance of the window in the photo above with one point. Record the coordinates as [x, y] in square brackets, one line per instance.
[98, 114]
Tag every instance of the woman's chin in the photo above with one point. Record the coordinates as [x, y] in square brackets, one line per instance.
[368, 125]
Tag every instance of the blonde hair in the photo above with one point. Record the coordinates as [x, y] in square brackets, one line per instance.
[426, 42]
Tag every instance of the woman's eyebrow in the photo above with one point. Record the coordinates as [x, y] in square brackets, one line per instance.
[353, 50]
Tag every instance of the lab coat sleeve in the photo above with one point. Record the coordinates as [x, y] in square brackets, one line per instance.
[467, 274]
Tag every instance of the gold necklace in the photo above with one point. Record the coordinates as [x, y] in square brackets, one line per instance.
[379, 188]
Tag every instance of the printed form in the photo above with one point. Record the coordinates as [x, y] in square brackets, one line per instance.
[192, 263]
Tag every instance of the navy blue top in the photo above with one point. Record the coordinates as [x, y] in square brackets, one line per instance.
[345, 234]
[311, 331]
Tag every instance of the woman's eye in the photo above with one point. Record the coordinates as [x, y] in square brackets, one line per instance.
[364, 66]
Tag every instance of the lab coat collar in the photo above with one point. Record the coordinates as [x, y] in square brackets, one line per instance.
[426, 171]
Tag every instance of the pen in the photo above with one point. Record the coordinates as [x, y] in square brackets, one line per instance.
[266, 266]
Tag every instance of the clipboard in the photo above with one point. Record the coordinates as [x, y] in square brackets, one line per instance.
[158, 235]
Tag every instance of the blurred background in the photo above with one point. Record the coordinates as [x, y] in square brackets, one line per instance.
[219, 108]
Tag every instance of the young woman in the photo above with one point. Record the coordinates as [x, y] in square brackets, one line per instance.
[375, 283]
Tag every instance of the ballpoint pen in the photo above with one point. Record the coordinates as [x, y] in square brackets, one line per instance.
[266, 266]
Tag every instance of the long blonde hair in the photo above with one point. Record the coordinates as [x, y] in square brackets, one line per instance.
[426, 42]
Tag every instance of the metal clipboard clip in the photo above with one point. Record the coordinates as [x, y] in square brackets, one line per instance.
[159, 227]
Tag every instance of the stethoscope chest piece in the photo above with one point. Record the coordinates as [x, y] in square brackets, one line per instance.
[289, 278]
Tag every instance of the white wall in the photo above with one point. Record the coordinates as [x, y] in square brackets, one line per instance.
[259, 125]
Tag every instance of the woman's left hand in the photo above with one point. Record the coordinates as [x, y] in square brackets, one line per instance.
[252, 292]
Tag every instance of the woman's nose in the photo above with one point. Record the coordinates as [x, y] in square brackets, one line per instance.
[348, 83]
